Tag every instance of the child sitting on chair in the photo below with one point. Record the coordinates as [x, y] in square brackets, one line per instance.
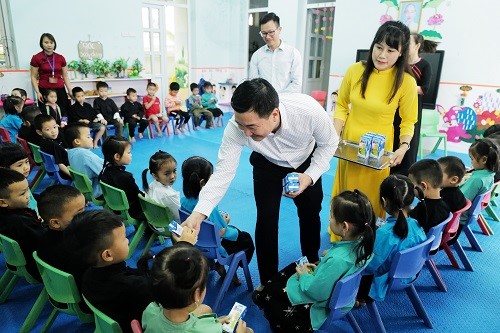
[173, 106]
[27, 130]
[426, 174]
[196, 171]
[197, 108]
[133, 114]
[209, 102]
[11, 121]
[152, 106]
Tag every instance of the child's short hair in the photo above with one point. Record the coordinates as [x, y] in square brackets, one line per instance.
[101, 84]
[335, 93]
[193, 86]
[7, 178]
[42, 119]
[177, 272]
[53, 199]
[10, 103]
[21, 91]
[427, 170]
[73, 132]
[489, 148]
[174, 86]
[453, 166]
[207, 84]
[10, 153]
[131, 91]
[90, 233]
[76, 90]
[151, 84]
[48, 91]
[30, 112]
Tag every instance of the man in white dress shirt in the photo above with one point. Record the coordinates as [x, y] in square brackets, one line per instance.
[277, 62]
[289, 133]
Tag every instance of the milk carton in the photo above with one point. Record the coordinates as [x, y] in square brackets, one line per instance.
[291, 183]
[365, 144]
[377, 148]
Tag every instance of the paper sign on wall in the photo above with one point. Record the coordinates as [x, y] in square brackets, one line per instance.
[90, 50]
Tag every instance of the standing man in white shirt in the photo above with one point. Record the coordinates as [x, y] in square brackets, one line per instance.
[289, 133]
[277, 62]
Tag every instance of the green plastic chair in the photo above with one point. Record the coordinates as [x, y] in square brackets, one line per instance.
[489, 209]
[429, 129]
[35, 150]
[16, 268]
[103, 323]
[84, 185]
[64, 294]
[117, 201]
[158, 218]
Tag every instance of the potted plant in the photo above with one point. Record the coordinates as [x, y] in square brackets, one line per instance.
[84, 67]
[73, 65]
[119, 66]
[136, 68]
[100, 67]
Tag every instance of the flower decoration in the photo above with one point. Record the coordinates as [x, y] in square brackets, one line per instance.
[385, 18]
[435, 19]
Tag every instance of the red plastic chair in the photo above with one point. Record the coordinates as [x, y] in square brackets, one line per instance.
[320, 96]
[449, 233]
[4, 135]
[136, 326]
[24, 144]
[437, 232]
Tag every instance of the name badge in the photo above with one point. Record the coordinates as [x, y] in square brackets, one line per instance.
[52, 79]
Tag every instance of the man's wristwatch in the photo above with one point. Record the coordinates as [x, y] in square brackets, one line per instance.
[405, 143]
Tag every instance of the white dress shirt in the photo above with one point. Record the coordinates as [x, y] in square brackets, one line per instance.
[304, 123]
[281, 67]
[166, 196]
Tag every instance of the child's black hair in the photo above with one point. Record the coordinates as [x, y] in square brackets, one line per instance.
[131, 91]
[355, 208]
[101, 84]
[195, 169]
[193, 86]
[73, 132]
[155, 164]
[486, 147]
[29, 113]
[48, 91]
[174, 86]
[90, 233]
[177, 272]
[53, 199]
[393, 192]
[413, 191]
[22, 92]
[42, 119]
[111, 146]
[11, 153]
[7, 178]
[151, 84]
[493, 129]
[453, 166]
[76, 90]
[428, 171]
[207, 84]
[10, 103]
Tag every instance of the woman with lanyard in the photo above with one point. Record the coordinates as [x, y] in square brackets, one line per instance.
[48, 71]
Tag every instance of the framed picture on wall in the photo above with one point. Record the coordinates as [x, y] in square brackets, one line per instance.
[410, 12]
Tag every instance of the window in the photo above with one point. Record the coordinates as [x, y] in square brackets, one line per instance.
[7, 51]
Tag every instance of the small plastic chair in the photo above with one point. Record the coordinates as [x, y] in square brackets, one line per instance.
[117, 201]
[16, 268]
[474, 212]
[405, 266]
[429, 129]
[449, 233]
[320, 96]
[343, 295]
[488, 209]
[26, 148]
[35, 150]
[158, 218]
[64, 294]
[103, 323]
[437, 232]
[52, 169]
[209, 243]
[84, 185]
[4, 135]
[136, 326]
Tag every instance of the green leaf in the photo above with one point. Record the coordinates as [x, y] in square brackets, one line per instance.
[390, 3]
[431, 35]
[432, 4]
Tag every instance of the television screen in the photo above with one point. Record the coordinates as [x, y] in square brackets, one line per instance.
[436, 62]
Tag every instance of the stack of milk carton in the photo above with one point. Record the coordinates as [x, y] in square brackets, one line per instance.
[371, 146]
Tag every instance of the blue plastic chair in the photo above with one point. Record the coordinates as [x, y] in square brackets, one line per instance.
[474, 212]
[52, 169]
[405, 266]
[437, 232]
[343, 295]
[209, 243]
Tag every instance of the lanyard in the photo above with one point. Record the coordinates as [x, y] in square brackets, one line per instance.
[53, 64]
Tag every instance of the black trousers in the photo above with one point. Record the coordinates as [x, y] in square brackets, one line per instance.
[132, 124]
[267, 181]
[216, 112]
[244, 242]
[179, 114]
